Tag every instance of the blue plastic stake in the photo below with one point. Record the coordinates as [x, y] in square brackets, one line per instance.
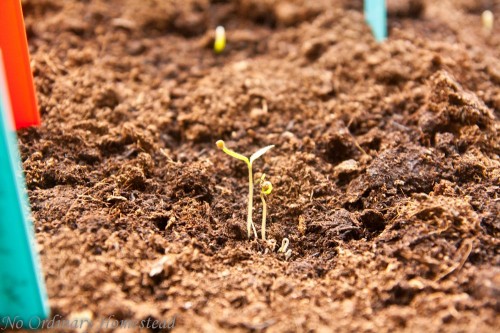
[22, 290]
[376, 16]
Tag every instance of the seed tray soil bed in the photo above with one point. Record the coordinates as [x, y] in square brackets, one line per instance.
[385, 170]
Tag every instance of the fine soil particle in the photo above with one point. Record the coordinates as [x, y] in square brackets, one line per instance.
[385, 172]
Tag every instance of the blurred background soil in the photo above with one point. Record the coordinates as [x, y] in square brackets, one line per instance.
[385, 171]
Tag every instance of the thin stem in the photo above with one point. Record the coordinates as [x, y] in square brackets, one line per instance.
[250, 224]
[264, 213]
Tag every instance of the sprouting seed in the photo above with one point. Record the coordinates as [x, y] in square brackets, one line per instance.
[284, 248]
[266, 189]
[221, 145]
[284, 245]
[220, 39]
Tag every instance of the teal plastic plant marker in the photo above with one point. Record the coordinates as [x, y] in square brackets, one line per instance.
[376, 16]
[22, 291]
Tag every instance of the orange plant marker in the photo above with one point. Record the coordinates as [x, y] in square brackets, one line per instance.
[14, 47]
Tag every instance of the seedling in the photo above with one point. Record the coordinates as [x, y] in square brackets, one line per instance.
[265, 189]
[221, 145]
[220, 39]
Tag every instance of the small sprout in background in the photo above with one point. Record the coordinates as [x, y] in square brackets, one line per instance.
[283, 249]
[220, 39]
[266, 189]
[221, 145]
[487, 18]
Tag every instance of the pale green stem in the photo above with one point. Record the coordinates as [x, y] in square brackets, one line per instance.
[250, 224]
[264, 213]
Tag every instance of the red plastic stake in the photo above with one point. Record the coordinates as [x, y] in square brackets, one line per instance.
[14, 47]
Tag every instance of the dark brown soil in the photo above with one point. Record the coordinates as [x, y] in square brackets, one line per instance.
[386, 167]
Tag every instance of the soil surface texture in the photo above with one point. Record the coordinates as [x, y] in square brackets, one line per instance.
[385, 170]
